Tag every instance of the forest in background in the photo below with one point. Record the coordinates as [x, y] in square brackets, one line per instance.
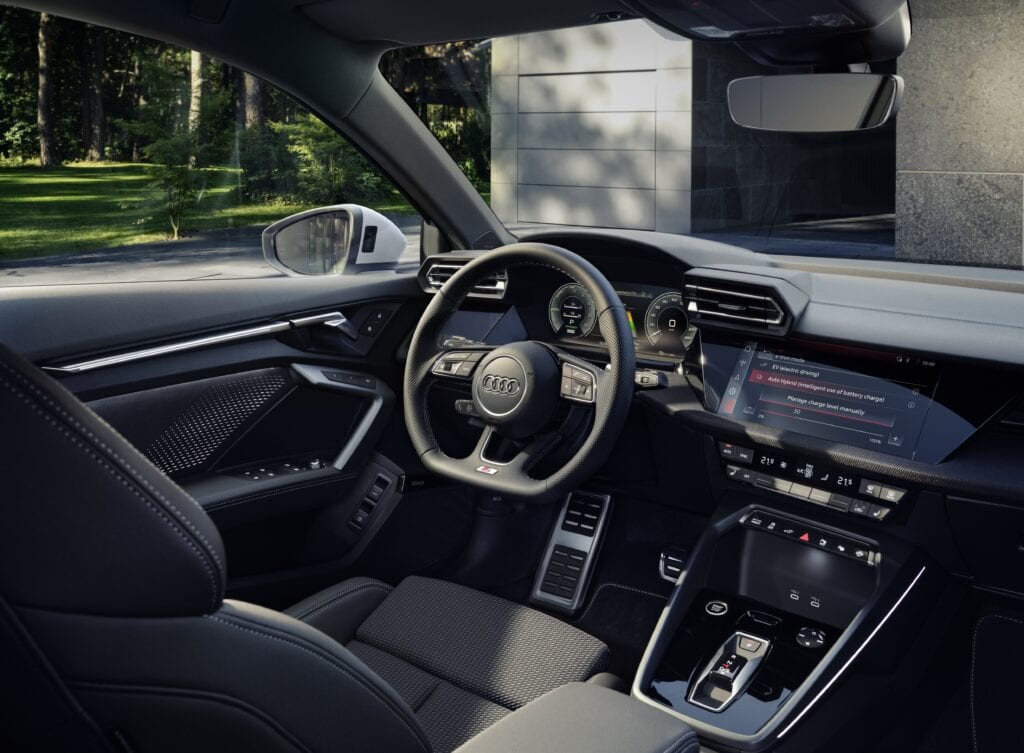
[107, 138]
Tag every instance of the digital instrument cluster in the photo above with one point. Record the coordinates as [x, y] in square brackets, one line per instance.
[656, 316]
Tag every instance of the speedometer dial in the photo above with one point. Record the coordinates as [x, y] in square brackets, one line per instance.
[668, 330]
[571, 311]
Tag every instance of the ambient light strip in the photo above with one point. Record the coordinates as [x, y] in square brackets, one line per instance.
[853, 658]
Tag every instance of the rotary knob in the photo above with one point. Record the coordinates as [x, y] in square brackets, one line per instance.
[809, 637]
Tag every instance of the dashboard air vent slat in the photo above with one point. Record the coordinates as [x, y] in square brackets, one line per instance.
[491, 287]
[746, 307]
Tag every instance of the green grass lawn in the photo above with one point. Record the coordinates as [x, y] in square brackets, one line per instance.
[84, 206]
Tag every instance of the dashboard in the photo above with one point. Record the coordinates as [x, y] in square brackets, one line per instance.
[544, 304]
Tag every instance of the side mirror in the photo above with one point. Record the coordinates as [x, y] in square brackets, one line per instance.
[815, 102]
[333, 240]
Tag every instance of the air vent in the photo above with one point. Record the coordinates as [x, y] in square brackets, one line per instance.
[1012, 421]
[438, 274]
[746, 307]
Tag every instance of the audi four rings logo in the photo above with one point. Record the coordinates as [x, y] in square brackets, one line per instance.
[501, 385]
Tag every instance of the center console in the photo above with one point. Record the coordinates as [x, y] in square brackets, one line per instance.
[771, 612]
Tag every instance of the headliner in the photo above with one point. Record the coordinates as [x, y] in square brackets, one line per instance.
[400, 22]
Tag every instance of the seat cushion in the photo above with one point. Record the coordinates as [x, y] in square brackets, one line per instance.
[460, 658]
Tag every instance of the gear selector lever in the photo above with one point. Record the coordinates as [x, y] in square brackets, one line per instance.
[728, 674]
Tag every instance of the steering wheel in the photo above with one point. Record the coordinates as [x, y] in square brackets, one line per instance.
[516, 388]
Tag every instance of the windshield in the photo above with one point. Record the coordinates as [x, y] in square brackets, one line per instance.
[622, 125]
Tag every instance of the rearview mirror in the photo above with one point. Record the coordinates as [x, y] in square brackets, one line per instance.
[815, 102]
[333, 240]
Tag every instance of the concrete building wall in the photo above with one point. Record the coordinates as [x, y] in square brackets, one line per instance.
[960, 153]
[591, 126]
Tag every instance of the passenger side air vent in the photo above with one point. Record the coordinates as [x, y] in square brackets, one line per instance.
[730, 305]
[436, 274]
[1012, 421]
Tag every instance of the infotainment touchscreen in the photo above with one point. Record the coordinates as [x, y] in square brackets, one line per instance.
[884, 410]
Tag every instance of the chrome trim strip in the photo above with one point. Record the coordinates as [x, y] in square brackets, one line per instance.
[853, 657]
[195, 343]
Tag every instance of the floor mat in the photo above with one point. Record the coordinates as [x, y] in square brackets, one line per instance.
[624, 618]
[627, 592]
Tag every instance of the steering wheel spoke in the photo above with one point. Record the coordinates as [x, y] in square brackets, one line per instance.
[525, 454]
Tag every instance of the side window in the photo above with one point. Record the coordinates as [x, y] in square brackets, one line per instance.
[127, 159]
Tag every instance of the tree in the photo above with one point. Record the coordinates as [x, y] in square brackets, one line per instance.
[95, 130]
[252, 101]
[195, 102]
[44, 110]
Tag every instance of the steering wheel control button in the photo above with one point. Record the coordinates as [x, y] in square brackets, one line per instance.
[716, 608]
[577, 384]
[809, 637]
[486, 470]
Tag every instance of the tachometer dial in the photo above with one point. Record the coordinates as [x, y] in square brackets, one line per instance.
[668, 330]
[571, 311]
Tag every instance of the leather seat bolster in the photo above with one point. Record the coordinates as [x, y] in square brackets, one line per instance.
[340, 610]
[90, 525]
[270, 664]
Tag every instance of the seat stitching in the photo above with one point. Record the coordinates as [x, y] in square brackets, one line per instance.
[224, 503]
[122, 479]
[135, 474]
[685, 737]
[319, 606]
[974, 651]
[336, 665]
[603, 586]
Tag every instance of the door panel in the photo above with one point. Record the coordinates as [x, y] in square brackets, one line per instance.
[275, 433]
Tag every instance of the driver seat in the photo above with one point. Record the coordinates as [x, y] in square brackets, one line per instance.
[115, 634]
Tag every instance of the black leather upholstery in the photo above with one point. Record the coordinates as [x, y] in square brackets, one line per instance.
[461, 659]
[116, 577]
[90, 525]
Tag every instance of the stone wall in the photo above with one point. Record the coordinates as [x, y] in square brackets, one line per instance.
[960, 154]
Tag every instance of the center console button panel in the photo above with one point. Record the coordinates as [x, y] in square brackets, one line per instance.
[812, 537]
[818, 483]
